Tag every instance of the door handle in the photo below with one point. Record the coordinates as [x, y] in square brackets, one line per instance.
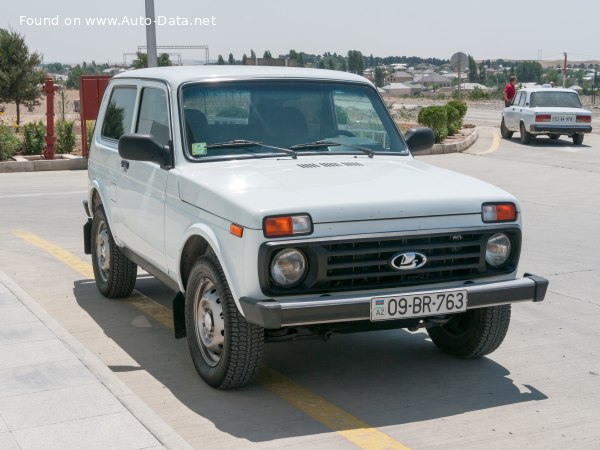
[124, 164]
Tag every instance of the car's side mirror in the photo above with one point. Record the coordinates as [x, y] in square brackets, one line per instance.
[143, 147]
[419, 139]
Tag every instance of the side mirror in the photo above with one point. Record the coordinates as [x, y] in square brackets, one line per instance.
[143, 147]
[419, 139]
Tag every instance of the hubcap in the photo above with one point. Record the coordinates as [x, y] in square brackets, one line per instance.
[103, 250]
[209, 323]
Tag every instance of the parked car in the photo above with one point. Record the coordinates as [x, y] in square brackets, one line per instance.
[546, 111]
[280, 203]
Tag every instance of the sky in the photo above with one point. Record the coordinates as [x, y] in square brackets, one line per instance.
[434, 28]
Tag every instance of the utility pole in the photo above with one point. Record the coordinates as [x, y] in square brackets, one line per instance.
[564, 74]
[151, 34]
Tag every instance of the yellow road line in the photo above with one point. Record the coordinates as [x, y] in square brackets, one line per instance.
[336, 419]
[139, 300]
[494, 146]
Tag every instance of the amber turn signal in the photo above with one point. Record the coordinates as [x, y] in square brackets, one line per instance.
[279, 226]
[498, 212]
[236, 230]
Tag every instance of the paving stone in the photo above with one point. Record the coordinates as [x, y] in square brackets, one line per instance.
[7, 442]
[44, 377]
[62, 405]
[31, 353]
[24, 332]
[113, 431]
[15, 314]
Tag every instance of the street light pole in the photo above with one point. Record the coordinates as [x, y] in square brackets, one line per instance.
[151, 34]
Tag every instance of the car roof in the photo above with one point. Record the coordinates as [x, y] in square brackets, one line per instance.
[544, 89]
[176, 75]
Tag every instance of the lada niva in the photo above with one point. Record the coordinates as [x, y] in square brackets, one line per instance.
[283, 203]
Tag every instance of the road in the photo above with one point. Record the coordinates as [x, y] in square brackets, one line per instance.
[539, 390]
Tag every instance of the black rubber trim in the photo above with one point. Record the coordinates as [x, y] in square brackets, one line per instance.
[87, 237]
[151, 269]
[272, 314]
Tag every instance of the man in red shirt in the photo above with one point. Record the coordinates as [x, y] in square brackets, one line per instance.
[510, 90]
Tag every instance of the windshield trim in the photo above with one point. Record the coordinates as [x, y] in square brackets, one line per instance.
[184, 137]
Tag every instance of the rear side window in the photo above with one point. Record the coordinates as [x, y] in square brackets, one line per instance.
[119, 113]
[154, 115]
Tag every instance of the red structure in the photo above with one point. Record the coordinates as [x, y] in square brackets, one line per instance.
[91, 89]
[49, 88]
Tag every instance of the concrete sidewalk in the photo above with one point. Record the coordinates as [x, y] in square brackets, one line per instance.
[55, 394]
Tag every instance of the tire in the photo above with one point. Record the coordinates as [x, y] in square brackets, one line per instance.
[554, 136]
[115, 274]
[226, 349]
[472, 334]
[578, 139]
[525, 135]
[506, 134]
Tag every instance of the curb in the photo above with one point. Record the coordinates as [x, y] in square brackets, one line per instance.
[147, 417]
[68, 162]
[439, 149]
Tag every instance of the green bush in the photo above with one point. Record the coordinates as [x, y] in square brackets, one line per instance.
[436, 118]
[478, 94]
[65, 139]
[9, 142]
[460, 106]
[33, 138]
[453, 119]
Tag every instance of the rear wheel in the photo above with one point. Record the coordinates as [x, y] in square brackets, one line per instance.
[474, 333]
[525, 135]
[115, 274]
[226, 349]
[506, 134]
[578, 139]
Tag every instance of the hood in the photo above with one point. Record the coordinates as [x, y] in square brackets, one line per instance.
[332, 189]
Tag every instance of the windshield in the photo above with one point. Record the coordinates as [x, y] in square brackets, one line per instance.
[284, 114]
[555, 98]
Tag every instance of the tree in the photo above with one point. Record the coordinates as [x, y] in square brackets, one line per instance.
[142, 61]
[472, 70]
[267, 54]
[379, 76]
[300, 60]
[529, 71]
[293, 54]
[220, 60]
[356, 62]
[244, 59]
[231, 60]
[252, 54]
[19, 78]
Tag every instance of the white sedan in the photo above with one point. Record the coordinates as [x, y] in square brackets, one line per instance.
[548, 111]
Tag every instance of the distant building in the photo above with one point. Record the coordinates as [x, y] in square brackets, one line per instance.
[401, 89]
[468, 87]
[399, 77]
[433, 80]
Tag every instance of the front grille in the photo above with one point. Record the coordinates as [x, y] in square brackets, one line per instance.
[365, 263]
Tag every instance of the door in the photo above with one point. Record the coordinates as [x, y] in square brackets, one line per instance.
[142, 185]
[512, 113]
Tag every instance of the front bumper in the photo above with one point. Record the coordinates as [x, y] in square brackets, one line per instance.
[273, 314]
[559, 129]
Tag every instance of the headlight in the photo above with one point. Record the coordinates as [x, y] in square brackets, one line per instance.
[288, 267]
[498, 249]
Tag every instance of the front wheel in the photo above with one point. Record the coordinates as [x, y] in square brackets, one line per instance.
[474, 333]
[115, 274]
[525, 135]
[225, 348]
[506, 134]
[578, 139]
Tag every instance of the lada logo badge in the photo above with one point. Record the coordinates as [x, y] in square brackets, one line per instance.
[408, 261]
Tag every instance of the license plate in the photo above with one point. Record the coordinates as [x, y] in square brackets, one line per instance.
[418, 305]
[563, 119]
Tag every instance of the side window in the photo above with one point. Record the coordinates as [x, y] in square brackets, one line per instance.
[119, 113]
[522, 99]
[153, 117]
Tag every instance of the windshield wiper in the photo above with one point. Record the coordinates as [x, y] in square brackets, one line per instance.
[318, 144]
[245, 143]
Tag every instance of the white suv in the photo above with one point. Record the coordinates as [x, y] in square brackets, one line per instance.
[546, 111]
[280, 203]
